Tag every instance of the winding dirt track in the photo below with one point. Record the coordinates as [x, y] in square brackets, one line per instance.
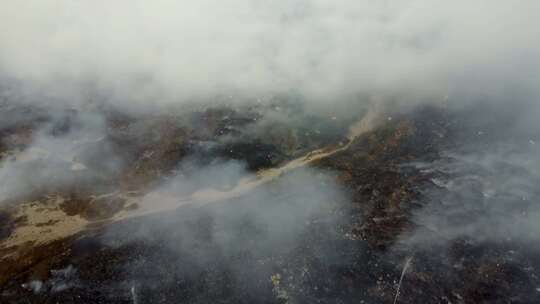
[161, 201]
[47, 223]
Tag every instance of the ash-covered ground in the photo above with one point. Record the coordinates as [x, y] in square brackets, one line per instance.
[428, 205]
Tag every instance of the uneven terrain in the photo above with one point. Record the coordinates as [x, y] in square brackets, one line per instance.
[330, 210]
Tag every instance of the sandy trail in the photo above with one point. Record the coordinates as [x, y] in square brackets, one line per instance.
[161, 201]
[48, 223]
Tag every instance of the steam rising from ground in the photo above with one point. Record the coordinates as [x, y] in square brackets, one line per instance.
[154, 52]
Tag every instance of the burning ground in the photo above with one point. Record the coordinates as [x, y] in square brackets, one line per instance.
[218, 205]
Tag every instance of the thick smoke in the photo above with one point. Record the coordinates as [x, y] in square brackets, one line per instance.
[483, 196]
[241, 236]
[69, 151]
[145, 54]
[295, 59]
[156, 52]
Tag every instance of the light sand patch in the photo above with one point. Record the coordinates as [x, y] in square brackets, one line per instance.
[45, 222]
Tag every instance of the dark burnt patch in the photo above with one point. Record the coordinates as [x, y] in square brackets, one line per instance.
[7, 224]
[100, 208]
[358, 259]
[30, 262]
[257, 155]
[383, 192]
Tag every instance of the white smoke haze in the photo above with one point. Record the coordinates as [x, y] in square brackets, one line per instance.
[146, 54]
[483, 196]
[192, 176]
[285, 70]
[271, 217]
[159, 52]
[69, 150]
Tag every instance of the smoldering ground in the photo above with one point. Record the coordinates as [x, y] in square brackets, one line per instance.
[236, 251]
[230, 249]
[479, 208]
[483, 185]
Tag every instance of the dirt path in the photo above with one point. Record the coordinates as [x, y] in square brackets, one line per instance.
[161, 201]
[46, 223]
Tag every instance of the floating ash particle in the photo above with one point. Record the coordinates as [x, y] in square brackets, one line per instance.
[34, 286]
[133, 295]
[78, 167]
[63, 279]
